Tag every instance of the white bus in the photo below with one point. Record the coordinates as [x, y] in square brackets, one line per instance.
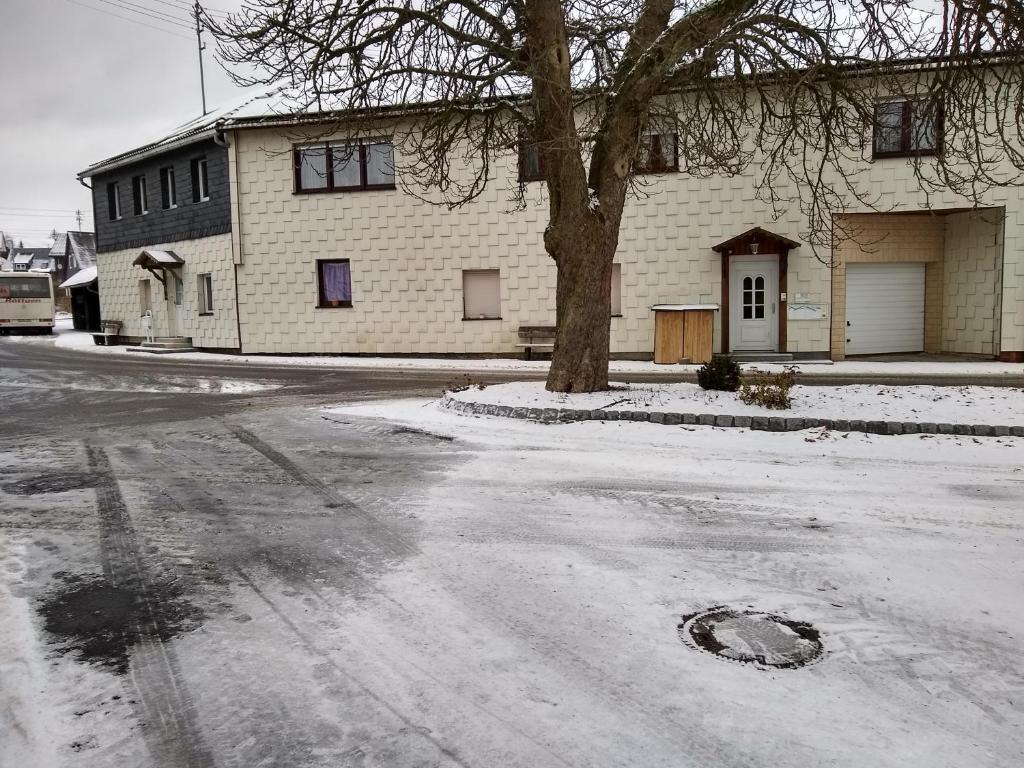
[26, 302]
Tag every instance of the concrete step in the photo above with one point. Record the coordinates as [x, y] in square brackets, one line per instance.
[168, 342]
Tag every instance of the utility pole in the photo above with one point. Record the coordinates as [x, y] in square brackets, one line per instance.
[78, 218]
[197, 11]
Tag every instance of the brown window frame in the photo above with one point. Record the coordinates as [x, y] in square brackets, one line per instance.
[906, 126]
[321, 300]
[673, 168]
[524, 177]
[363, 186]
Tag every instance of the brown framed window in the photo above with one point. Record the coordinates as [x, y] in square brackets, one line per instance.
[336, 167]
[531, 164]
[658, 154]
[907, 128]
[333, 283]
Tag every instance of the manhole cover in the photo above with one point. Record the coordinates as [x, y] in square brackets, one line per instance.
[752, 637]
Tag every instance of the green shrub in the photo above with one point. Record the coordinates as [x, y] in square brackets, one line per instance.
[769, 390]
[721, 372]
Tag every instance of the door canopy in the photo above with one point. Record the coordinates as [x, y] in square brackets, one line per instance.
[158, 262]
[755, 241]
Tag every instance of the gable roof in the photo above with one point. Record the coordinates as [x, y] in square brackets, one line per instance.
[83, 248]
[60, 245]
[198, 129]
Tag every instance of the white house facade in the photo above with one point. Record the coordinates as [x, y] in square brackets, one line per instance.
[346, 262]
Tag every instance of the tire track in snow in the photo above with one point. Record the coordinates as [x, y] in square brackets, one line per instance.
[171, 724]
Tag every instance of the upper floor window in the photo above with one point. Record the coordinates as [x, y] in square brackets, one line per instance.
[531, 164]
[657, 154]
[168, 190]
[113, 201]
[906, 128]
[200, 180]
[140, 205]
[344, 167]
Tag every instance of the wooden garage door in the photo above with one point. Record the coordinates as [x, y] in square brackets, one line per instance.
[884, 308]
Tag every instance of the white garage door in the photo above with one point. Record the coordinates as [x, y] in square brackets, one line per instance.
[884, 308]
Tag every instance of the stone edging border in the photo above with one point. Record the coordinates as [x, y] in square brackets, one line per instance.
[758, 423]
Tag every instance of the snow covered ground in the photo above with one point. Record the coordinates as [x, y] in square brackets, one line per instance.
[960, 405]
[594, 540]
[66, 337]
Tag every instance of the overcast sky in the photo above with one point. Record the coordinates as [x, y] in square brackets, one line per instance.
[78, 85]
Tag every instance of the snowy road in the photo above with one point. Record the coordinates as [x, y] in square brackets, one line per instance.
[210, 576]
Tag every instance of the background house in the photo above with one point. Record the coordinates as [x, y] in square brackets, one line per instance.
[76, 251]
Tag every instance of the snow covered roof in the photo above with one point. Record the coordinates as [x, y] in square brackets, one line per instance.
[82, 277]
[153, 258]
[83, 248]
[198, 129]
[60, 244]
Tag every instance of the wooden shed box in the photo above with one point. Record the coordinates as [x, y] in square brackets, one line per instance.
[683, 332]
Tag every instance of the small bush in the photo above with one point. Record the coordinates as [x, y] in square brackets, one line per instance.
[769, 390]
[721, 372]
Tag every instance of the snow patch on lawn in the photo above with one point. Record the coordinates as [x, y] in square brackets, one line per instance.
[868, 402]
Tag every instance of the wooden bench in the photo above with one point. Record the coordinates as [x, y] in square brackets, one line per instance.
[109, 331]
[533, 337]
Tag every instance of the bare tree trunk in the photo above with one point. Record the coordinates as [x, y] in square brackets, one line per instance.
[579, 362]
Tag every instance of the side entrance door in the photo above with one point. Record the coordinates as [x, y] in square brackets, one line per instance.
[174, 297]
[753, 303]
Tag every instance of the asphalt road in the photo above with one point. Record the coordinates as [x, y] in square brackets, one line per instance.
[198, 567]
[135, 497]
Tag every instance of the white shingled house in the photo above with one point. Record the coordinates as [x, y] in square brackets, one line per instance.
[327, 254]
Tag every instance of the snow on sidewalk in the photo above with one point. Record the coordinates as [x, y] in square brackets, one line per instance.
[868, 402]
[67, 338]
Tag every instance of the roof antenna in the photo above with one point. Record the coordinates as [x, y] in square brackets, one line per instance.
[197, 11]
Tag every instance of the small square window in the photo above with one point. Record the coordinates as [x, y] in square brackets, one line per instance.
[200, 180]
[481, 294]
[113, 201]
[140, 203]
[657, 154]
[334, 283]
[206, 294]
[168, 189]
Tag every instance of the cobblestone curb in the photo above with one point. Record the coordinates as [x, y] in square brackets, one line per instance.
[757, 423]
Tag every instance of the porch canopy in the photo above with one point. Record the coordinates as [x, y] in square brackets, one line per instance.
[80, 278]
[158, 262]
[756, 241]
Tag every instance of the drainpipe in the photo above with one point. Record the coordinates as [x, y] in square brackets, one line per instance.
[220, 140]
[82, 182]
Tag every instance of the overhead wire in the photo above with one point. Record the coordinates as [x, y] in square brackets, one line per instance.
[165, 30]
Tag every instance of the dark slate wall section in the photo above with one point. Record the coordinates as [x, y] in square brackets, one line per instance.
[188, 221]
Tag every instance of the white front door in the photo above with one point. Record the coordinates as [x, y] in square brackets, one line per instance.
[174, 297]
[754, 303]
